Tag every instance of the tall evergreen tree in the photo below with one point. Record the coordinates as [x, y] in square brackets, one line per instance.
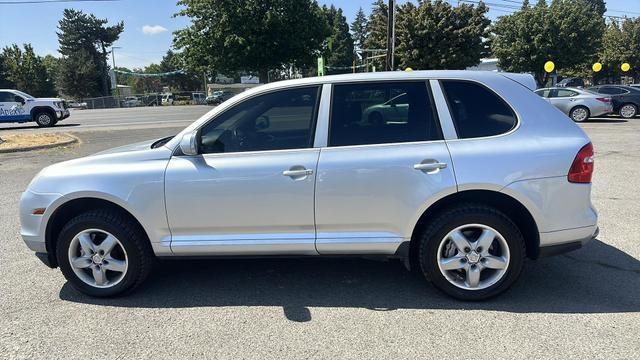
[359, 28]
[377, 31]
[83, 35]
[339, 48]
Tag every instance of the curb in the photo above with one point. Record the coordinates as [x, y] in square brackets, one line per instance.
[72, 140]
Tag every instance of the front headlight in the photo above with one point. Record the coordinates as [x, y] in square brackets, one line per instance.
[58, 104]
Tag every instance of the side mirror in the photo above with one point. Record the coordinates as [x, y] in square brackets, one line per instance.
[19, 99]
[189, 143]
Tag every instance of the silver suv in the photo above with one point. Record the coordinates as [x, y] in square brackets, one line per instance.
[462, 176]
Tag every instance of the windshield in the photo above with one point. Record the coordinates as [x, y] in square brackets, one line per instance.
[24, 95]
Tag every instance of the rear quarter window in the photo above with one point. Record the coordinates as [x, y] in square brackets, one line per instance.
[476, 110]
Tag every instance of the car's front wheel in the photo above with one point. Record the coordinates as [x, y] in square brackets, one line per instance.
[472, 252]
[103, 253]
[45, 119]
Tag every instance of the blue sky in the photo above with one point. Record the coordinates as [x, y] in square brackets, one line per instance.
[149, 23]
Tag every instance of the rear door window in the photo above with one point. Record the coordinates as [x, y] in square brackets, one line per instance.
[381, 113]
[476, 110]
[566, 93]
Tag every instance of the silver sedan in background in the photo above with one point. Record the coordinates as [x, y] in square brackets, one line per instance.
[578, 104]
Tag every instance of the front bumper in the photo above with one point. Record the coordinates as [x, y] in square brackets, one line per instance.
[62, 114]
[33, 227]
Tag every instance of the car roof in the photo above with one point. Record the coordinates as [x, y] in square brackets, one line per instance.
[524, 79]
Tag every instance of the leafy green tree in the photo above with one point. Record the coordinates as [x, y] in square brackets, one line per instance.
[436, 35]
[179, 82]
[253, 36]
[26, 71]
[359, 28]
[566, 32]
[84, 39]
[338, 51]
[620, 44]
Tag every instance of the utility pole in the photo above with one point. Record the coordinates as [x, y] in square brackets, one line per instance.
[115, 77]
[391, 35]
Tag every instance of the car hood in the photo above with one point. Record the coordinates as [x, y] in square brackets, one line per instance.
[49, 99]
[139, 146]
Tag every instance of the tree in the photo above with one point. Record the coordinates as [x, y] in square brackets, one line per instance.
[339, 48]
[179, 82]
[377, 30]
[359, 28]
[252, 36]
[5, 82]
[566, 32]
[84, 40]
[436, 35]
[77, 75]
[620, 44]
[26, 71]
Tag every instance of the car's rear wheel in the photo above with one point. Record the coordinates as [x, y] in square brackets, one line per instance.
[579, 114]
[103, 253]
[472, 252]
[628, 111]
[45, 119]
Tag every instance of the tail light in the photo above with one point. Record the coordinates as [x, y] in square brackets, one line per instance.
[582, 168]
[607, 100]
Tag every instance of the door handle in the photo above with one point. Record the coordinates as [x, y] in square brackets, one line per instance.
[430, 166]
[297, 172]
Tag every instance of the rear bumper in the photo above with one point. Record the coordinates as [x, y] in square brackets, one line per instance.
[565, 242]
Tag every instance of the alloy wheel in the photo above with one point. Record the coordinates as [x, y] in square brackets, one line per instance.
[44, 119]
[628, 111]
[473, 256]
[98, 258]
[579, 114]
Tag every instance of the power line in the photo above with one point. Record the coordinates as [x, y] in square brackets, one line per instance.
[24, 2]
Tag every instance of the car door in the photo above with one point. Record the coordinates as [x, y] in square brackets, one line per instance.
[251, 190]
[563, 99]
[10, 109]
[375, 179]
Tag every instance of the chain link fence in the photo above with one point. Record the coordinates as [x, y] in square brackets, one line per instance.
[141, 100]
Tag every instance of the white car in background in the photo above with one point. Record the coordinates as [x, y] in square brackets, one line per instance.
[578, 104]
[19, 107]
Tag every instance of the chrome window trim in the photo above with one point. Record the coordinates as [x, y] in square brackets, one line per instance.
[518, 116]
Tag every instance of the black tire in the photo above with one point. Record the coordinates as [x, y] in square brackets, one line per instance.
[574, 111]
[45, 118]
[629, 115]
[460, 215]
[134, 241]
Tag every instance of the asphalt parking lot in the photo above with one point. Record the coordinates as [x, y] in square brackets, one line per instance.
[584, 304]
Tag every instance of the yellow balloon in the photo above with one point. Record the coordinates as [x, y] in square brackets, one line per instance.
[549, 66]
[408, 69]
[625, 67]
[597, 67]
